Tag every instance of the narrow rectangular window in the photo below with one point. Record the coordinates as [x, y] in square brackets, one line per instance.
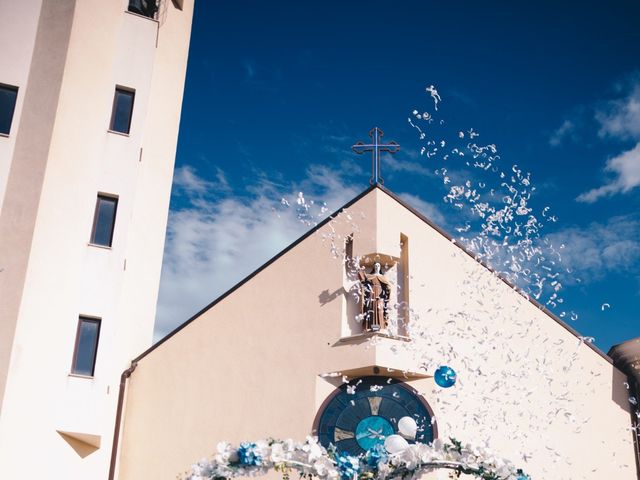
[104, 220]
[8, 96]
[84, 357]
[122, 110]
[147, 8]
[403, 286]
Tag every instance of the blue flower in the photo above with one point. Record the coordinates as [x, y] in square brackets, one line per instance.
[348, 466]
[375, 455]
[249, 454]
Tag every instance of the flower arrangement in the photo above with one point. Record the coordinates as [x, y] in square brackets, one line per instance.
[310, 459]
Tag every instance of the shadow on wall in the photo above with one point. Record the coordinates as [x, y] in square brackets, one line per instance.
[326, 297]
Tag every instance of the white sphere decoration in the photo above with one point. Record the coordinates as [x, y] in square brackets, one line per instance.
[408, 427]
[395, 443]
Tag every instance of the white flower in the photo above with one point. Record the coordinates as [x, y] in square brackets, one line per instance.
[438, 444]
[409, 458]
[310, 458]
[324, 468]
[383, 470]
[225, 454]
[289, 445]
[313, 449]
[222, 447]
[278, 453]
[425, 453]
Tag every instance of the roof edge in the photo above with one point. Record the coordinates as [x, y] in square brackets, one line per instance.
[255, 272]
[516, 289]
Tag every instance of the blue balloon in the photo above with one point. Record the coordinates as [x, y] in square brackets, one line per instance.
[445, 376]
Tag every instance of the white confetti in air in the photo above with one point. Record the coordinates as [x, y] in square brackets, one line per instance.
[502, 224]
[435, 95]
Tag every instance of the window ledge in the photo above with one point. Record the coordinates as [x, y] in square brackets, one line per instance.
[141, 16]
[104, 247]
[122, 134]
[5, 135]
[77, 375]
[367, 335]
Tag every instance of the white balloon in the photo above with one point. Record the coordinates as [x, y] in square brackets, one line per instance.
[408, 427]
[395, 443]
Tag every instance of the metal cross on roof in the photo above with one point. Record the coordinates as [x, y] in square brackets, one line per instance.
[375, 147]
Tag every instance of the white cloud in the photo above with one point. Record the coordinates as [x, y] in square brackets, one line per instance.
[428, 209]
[216, 242]
[599, 249]
[185, 180]
[626, 170]
[565, 130]
[394, 164]
[620, 118]
[223, 183]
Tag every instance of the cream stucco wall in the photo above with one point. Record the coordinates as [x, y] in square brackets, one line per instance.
[251, 366]
[64, 156]
[18, 20]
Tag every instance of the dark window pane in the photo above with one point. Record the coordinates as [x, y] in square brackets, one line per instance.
[122, 110]
[86, 346]
[147, 8]
[104, 221]
[8, 97]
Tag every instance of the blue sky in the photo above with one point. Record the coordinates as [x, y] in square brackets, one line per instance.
[276, 93]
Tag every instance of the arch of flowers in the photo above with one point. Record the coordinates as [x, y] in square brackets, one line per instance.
[310, 459]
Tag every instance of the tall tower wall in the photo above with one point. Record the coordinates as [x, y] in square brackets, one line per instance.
[67, 60]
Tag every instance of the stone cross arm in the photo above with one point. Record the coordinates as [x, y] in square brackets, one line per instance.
[375, 147]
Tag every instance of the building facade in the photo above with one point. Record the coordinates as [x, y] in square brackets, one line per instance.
[90, 100]
[285, 354]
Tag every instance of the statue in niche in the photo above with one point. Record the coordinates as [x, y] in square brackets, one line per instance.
[375, 291]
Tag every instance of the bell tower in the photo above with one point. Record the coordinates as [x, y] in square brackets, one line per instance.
[90, 100]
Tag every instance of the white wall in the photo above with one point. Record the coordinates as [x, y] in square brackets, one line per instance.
[18, 24]
[66, 277]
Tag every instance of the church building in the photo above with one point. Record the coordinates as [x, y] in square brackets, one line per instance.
[298, 348]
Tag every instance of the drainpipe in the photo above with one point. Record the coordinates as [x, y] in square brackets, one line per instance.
[626, 357]
[116, 430]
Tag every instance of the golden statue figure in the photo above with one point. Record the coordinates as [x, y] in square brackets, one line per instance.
[374, 298]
